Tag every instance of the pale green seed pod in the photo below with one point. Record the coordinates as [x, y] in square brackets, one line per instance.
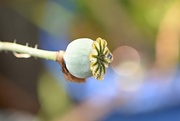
[85, 58]
[76, 57]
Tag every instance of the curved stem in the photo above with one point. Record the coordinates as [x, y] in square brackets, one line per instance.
[22, 49]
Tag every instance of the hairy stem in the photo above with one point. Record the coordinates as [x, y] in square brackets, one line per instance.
[22, 49]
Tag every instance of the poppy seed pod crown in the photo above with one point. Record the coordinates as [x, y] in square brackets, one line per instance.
[85, 58]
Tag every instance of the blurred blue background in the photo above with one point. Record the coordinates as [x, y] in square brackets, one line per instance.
[141, 84]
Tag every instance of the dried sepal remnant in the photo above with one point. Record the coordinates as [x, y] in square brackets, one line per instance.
[100, 58]
[67, 75]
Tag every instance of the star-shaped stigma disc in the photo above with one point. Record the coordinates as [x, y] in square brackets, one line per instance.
[100, 57]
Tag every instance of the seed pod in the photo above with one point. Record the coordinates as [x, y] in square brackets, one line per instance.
[76, 57]
[85, 58]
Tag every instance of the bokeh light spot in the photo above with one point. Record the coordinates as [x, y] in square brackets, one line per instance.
[126, 60]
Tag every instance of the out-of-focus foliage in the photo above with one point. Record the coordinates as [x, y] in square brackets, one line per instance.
[52, 97]
[147, 14]
[144, 38]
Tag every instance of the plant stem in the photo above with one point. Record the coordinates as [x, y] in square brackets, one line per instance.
[22, 49]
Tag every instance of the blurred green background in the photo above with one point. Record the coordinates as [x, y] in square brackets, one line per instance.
[142, 35]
